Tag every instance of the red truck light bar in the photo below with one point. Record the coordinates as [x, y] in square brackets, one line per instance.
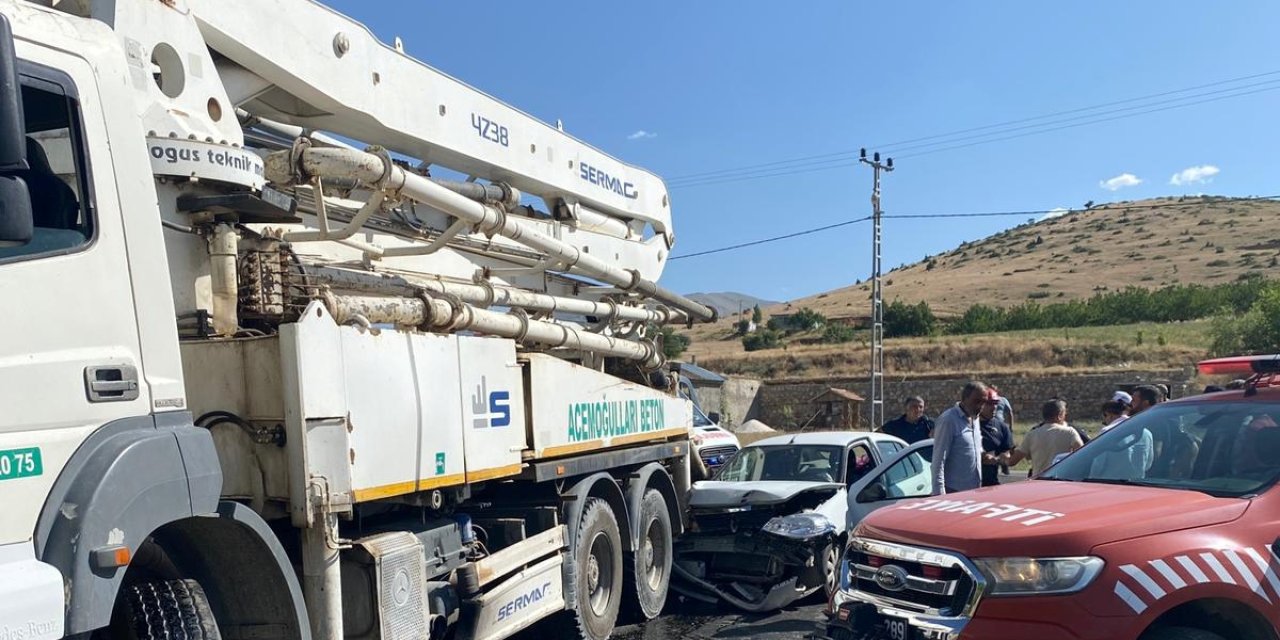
[1240, 365]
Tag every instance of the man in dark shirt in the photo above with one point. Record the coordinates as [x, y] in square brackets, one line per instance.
[997, 438]
[912, 426]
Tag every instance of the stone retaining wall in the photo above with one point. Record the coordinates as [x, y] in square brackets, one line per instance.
[785, 404]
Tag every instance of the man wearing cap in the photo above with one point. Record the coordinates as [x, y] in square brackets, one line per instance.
[997, 438]
[1132, 458]
[1115, 411]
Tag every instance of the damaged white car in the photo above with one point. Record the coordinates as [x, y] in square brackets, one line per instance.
[769, 527]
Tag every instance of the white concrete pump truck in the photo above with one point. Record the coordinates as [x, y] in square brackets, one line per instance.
[259, 380]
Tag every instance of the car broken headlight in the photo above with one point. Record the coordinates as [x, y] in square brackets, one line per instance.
[800, 526]
[1016, 576]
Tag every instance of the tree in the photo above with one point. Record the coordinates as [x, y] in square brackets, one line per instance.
[674, 344]
[1255, 331]
[765, 339]
[807, 319]
[902, 319]
[756, 315]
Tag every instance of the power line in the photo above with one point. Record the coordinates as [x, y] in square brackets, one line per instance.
[1098, 121]
[773, 239]
[978, 214]
[1146, 109]
[1141, 109]
[1092, 108]
[843, 158]
[851, 152]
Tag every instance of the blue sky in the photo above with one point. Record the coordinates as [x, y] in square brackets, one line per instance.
[719, 85]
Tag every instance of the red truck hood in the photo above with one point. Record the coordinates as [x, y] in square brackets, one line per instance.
[1045, 518]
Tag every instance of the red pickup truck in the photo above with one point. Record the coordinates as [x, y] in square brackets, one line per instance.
[1166, 527]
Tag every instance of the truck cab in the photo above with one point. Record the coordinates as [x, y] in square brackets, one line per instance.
[1163, 528]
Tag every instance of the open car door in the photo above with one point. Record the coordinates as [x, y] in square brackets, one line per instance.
[904, 475]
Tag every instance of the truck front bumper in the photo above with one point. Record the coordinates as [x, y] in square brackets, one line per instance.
[857, 616]
[32, 598]
[861, 616]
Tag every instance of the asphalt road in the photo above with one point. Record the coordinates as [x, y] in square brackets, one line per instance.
[691, 620]
[697, 621]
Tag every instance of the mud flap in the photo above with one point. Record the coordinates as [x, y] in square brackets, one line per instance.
[514, 605]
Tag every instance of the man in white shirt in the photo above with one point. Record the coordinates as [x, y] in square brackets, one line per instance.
[957, 443]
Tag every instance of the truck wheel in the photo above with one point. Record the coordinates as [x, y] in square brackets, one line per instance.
[167, 610]
[1180, 633]
[650, 570]
[595, 590]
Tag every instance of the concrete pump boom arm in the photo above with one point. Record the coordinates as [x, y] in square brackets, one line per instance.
[303, 63]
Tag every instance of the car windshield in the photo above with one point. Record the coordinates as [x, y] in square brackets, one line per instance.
[806, 463]
[700, 419]
[1219, 448]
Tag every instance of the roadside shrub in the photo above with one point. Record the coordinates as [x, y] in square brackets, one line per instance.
[766, 339]
[838, 334]
[1174, 303]
[902, 319]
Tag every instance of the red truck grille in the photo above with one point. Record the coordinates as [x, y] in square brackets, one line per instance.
[919, 580]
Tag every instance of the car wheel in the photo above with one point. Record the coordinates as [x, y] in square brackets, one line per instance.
[1180, 633]
[831, 568]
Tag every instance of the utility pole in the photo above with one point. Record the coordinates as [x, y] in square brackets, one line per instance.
[877, 294]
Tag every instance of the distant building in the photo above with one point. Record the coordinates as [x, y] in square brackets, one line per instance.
[857, 322]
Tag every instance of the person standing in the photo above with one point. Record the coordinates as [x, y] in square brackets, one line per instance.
[1131, 459]
[1004, 410]
[997, 438]
[1044, 443]
[912, 426]
[1113, 413]
[957, 443]
[1145, 397]
[1170, 451]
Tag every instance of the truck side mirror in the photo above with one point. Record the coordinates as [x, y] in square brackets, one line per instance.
[16, 223]
[714, 417]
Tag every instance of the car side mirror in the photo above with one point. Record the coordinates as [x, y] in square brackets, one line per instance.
[873, 492]
[714, 417]
[16, 223]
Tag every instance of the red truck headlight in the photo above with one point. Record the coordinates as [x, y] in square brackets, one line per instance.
[1038, 576]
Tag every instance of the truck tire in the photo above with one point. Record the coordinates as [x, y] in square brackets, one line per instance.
[1180, 633]
[167, 610]
[649, 571]
[594, 591]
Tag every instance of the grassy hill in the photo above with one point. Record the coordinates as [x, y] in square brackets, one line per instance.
[1082, 253]
[1148, 244]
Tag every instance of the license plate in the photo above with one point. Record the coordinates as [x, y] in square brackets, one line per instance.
[896, 629]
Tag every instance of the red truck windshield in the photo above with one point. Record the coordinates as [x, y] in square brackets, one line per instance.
[1225, 449]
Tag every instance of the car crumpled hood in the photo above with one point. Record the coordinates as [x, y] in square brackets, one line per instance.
[1045, 518]
[710, 493]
